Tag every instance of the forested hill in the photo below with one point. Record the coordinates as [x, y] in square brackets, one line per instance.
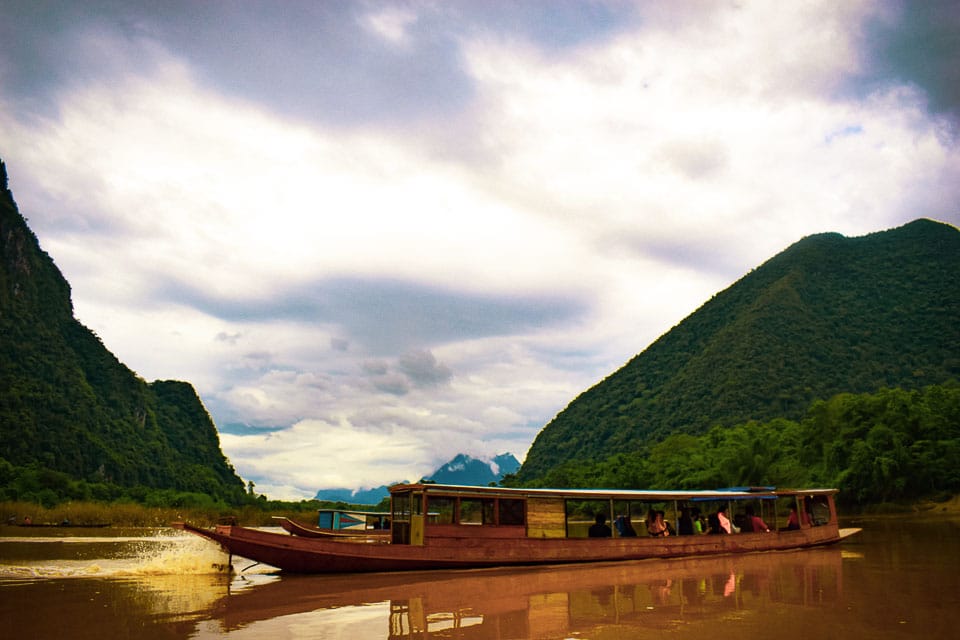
[68, 405]
[828, 315]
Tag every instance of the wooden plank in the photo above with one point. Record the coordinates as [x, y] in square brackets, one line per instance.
[546, 518]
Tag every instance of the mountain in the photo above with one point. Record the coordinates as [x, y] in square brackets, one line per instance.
[828, 315]
[68, 405]
[472, 472]
[354, 496]
[463, 469]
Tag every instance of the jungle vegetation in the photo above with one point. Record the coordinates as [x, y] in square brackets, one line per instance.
[829, 315]
[75, 421]
[893, 446]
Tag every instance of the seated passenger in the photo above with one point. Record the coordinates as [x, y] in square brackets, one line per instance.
[685, 524]
[599, 528]
[793, 522]
[741, 522]
[624, 528]
[666, 524]
[757, 525]
[700, 525]
[723, 521]
[713, 523]
[656, 527]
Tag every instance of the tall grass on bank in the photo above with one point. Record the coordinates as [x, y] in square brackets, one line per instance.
[132, 515]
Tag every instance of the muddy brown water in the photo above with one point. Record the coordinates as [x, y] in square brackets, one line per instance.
[898, 578]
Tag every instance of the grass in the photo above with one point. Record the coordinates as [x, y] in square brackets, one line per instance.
[135, 515]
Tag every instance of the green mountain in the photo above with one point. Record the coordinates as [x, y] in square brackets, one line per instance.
[828, 315]
[68, 405]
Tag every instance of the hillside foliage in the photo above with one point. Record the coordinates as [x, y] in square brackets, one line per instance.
[827, 316]
[891, 446]
[68, 406]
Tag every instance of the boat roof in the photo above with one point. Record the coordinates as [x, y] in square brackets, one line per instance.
[648, 495]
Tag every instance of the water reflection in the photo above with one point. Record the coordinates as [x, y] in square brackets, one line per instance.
[897, 579]
[555, 601]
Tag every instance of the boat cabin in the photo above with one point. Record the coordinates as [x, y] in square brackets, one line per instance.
[421, 512]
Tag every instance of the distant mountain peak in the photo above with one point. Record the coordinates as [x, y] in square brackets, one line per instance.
[462, 469]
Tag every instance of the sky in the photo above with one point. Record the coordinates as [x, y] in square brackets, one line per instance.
[374, 235]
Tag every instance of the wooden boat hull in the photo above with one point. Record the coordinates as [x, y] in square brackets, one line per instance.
[297, 554]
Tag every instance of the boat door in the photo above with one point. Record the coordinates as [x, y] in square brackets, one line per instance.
[416, 520]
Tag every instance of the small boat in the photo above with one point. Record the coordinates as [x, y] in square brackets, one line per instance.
[435, 526]
[338, 523]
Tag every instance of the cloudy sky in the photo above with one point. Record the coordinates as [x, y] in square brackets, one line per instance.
[374, 235]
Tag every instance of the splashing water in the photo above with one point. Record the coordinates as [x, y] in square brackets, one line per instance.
[114, 557]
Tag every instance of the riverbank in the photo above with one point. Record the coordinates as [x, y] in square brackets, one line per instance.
[135, 515]
[946, 507]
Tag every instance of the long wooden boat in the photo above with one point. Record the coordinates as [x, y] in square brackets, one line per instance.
[491, 526]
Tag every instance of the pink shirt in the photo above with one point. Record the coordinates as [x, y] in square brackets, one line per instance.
[724, 522]
[758, 524]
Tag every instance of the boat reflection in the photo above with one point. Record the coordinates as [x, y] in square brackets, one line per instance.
[555, 601]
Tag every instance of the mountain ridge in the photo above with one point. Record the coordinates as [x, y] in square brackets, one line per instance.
[69, 405]
[828, 314]
[461, 470]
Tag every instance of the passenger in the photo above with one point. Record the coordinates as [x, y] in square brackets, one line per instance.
[656, 527]
[793, 522]
[757, 525]
[624, 528]
[685, 524]
[714, 524]
[666, 524]
[599, 528]
[700, 525]
[723, 521]
[741, 522]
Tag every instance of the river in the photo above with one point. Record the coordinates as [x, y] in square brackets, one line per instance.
[898, 578]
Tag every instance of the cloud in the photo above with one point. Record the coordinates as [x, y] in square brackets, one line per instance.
[423, 369]
[382, 315]
[277, 458]
[391, 23]
[914, 44]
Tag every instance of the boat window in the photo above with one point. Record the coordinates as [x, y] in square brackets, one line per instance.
[476, 511]
[581, 514]
[511, 511]
[763, 509]
[440, 509]
[819, 510]
[401, 507]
